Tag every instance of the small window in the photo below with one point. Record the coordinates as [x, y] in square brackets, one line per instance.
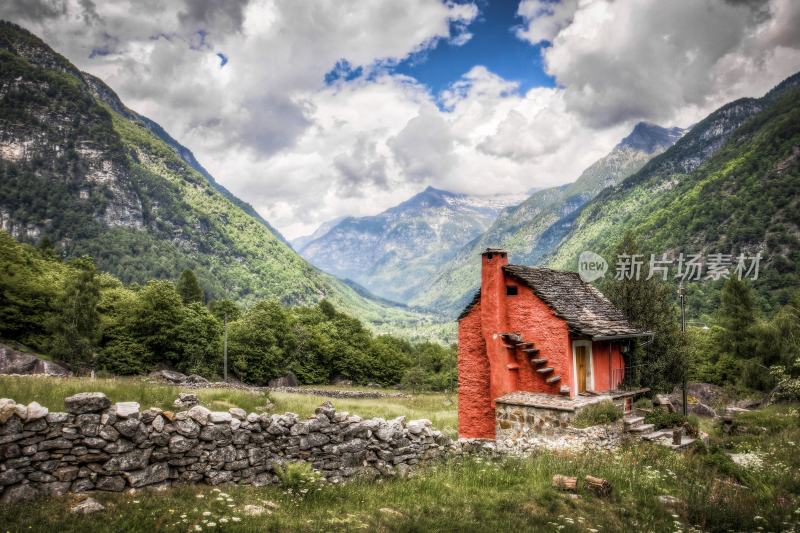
[511, 290]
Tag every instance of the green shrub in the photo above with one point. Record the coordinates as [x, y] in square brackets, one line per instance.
[661, 418]
[298, 477]
[643, 403]
[603, 412]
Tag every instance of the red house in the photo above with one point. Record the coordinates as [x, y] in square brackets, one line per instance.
[535, 330]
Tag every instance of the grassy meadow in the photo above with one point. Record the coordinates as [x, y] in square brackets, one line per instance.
[708, 490]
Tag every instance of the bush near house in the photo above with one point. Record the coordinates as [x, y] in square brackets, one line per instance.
[599, 413]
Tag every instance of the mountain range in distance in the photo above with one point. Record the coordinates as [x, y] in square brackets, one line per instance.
[435, 234]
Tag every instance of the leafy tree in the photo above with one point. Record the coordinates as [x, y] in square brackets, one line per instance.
[258, 343]
[649, 304]
[224, 310]
[199, 341]
[155, 321]
[189, 288]
[76, 328]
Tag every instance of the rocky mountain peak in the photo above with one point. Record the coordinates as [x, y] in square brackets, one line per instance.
[648, 137]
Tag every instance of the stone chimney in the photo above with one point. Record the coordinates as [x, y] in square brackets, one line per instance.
[494, 322]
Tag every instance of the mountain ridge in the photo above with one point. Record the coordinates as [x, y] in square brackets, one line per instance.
[95, 178]
[392, 252]
[519, 229]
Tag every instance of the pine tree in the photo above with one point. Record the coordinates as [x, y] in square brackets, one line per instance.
[649, 304]
[737, 318]
[189, 288]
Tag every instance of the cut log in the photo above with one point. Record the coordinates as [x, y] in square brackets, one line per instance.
[601, 487]
[565, 482]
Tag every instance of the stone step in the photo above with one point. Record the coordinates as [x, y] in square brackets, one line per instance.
[514, 338]
[524, 345]
[564, 388]
[642, 429]
[553, 379]
[546, 370]
[632, 421]
[657, 435]
[539, 361]
[685, 441]
[531, 351]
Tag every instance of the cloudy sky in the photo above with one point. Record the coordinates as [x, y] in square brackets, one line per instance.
[313, 109]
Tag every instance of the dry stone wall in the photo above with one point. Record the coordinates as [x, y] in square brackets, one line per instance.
[97, 445]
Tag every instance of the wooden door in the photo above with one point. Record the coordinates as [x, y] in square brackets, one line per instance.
[580, 367]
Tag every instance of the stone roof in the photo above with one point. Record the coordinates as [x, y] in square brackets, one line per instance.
[585, 309]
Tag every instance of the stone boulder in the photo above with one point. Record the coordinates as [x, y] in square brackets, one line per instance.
[16, 362]
[195, 379]
[87, 506]
[701, 397]
[170, 375]
[289, 380]
[86, 402]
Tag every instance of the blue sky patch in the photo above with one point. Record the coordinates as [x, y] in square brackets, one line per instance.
[493, 45]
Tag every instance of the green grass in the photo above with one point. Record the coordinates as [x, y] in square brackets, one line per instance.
[471, 494]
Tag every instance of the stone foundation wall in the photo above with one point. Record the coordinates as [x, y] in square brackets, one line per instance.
[523, 427]
[99, 446]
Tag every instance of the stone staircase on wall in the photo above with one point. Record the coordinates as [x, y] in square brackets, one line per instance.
[514, 341]
[634, 425]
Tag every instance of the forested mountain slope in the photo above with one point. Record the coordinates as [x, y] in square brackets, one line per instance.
[92, 177]
[731, 185]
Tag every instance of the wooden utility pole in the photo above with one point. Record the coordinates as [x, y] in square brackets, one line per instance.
[682, 296]
[225, 348]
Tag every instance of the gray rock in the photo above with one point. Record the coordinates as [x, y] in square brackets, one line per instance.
[18, 493]
[36, 411]
[16, 362]
[289, 380]
[110, 483]
[87, 506]
[238, 413]
[180, 444]
[187, 428]
[217, 417]
[199, 414]
[55, 444]
[66, 473]
[171, 376]
[154, 473]
[126, 409]
[158, 423]
[216, 432]
[87, 402]
[126, 462]
[128, 427]
[9, 477]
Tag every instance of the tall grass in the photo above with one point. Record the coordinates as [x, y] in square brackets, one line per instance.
[462, 494]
